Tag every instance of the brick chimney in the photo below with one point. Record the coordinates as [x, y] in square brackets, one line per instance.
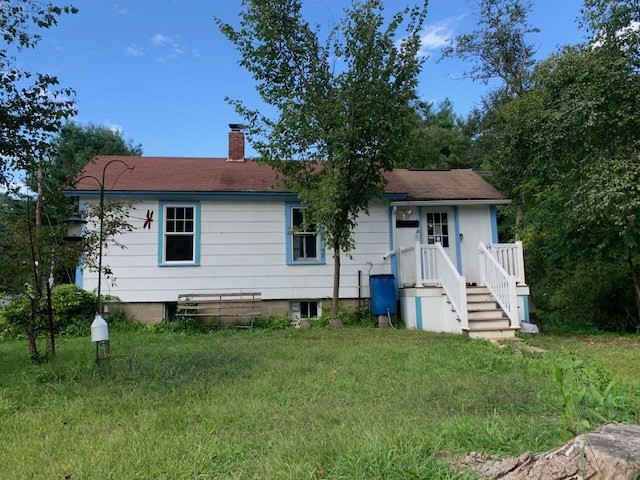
[236, 143]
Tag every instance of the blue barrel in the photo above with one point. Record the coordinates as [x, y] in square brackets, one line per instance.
[383, 294]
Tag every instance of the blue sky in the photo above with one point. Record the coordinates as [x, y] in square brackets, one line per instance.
[160, 70]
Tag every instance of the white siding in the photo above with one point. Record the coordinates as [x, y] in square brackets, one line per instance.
[475, 225]
[242, 248]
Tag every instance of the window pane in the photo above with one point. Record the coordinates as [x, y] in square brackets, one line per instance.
[430, 230]
[429, 217]
[445, 242]
[304, 309]
[297, 246]
[430, 241]
[179, 248]
[170, 226]
[310, 246]
[438, 229]
[298, 218]
[189, 213]
[180, 213]
[179, 226]
[171, 213]
[188, 226]
[444, 218]
[436, 217]
[313, 309]
[445, 229]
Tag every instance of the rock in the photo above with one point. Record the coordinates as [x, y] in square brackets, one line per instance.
[532, 349]
[611, 452]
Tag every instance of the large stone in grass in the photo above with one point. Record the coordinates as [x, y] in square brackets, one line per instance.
[611, 452]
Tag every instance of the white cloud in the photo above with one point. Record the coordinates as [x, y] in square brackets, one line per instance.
[115, 128]
[170, 47]
[437, 35]
[133, 50]
[159, 39]
[120, 10]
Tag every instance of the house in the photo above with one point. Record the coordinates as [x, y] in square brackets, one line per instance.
[215, 225]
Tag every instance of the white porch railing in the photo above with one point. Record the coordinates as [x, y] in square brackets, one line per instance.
[511, 257]
[500, 283]
[429, 264]
[407, 269]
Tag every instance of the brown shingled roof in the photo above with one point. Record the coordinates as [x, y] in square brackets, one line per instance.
[176, 174]
[446, 185]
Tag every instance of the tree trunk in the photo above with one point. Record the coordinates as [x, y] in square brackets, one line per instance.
[334, 320]
[52, 327]
[636, 284]
[32, 335]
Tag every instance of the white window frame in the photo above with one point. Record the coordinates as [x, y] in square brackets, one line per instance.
[194, 233]
[437, 237]
[296, 308]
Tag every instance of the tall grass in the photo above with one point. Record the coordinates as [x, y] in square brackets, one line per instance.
[356, 403]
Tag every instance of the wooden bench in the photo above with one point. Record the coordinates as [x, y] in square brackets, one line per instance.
[222, 309]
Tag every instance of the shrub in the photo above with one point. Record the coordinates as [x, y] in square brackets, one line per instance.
[73, 309]
[273, 322]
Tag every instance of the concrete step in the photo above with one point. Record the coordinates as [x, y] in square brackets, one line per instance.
[480, 297]
[493, 333]
[485, 314]
[477, 290]
[493, 323]
[486, 305]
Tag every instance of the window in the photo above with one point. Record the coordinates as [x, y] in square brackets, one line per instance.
[179, 235]
[438, 229]
[304, 237]
[304, 245]
[305, 309]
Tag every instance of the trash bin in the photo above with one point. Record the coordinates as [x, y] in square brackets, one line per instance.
[383, 294]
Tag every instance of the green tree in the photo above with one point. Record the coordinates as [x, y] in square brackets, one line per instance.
[343, 105]
[32, 105]
[499, 47]
[75, 145]
[571, 146]
[33, 255]
[439, 139]
[499, 50]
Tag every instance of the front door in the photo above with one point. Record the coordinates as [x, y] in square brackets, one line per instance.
[439, 227]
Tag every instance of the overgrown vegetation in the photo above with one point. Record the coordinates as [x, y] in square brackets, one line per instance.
[560, 137]
[359, 403]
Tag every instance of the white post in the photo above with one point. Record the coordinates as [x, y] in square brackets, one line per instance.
[513, 300]
[520, 262]
[418, 257]
[483, 267]
[462, 301]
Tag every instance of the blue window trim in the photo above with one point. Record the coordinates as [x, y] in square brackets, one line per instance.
[394, 258]
[80, 266]
[289, 247]
[494, 224]
[418, 313]
[196, 254]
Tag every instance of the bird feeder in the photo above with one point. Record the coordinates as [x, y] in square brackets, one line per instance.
[100, 335]
[99, 330]
[75, 226]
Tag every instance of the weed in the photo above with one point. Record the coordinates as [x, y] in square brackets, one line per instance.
[590, 396]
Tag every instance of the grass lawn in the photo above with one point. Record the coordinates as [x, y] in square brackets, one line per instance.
[293, 404]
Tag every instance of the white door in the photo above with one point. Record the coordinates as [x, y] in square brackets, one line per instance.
[438, 225]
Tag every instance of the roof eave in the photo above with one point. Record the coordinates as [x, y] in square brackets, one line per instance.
[452, 201]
